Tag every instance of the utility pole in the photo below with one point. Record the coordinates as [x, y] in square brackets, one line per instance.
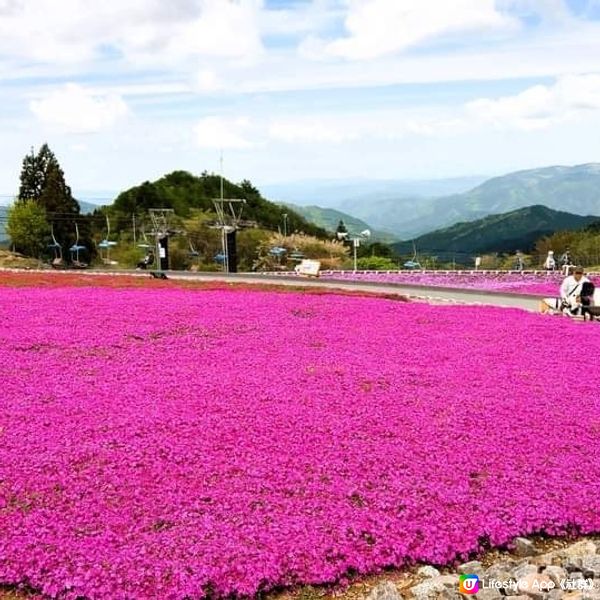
[362, 236]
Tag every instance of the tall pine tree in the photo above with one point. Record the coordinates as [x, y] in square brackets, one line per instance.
[43, 180]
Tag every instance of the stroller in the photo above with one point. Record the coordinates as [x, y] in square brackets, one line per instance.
[585, 307]
[588, 310]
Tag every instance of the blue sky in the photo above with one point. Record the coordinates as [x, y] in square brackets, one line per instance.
[128, 91]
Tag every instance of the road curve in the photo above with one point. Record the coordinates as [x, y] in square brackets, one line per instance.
[419, 292]
[459, 295]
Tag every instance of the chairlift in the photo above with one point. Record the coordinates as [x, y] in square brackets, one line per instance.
[106, 245]
[75, 249]
[194, 255]
[145, 245]
[411, 264]
[277, 251]
[192, 251]
[57, 261]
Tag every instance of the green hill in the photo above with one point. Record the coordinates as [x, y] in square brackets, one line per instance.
[184, 192]
[506, 232]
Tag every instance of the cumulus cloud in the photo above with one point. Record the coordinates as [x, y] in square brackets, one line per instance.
[312, 130]
[381, 27]
[73, 109]
[541, 106]
[355, 126]
[551, 11]
[73, 31]
[221, 133]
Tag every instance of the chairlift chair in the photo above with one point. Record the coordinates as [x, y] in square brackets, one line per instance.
[75, 249]
[192, 251]
[413, 263]
[106, 245]
[57, 261]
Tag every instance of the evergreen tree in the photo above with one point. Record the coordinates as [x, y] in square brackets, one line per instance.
[43, 180]
[32, 177]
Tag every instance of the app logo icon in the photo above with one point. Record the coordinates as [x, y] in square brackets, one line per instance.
[468, 584]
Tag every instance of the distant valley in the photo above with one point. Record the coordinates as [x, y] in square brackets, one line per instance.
[329, 218]
[570, 189]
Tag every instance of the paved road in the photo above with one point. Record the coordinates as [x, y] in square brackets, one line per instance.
[458, 295]
[526, 301]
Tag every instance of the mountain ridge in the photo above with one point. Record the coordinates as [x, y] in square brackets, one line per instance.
[574, 189]
[502, 233]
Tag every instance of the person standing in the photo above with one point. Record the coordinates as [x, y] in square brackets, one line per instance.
[566, 261]
[550, 263]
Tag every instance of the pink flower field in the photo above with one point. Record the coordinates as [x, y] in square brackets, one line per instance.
[538, 283]
[180, 443]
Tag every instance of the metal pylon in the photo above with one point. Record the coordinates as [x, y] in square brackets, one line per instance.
[229, 212]
[160, 228]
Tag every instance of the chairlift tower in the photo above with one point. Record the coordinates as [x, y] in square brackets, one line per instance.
[229, 214]
[160, 230]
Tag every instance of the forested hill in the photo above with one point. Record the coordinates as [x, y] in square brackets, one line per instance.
[184, 192]
[506, 232]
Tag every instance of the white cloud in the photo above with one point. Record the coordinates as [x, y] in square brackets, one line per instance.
[312, 130]
[541, 106]
[380, 27]
[301, 18]
[548, 11]
[73, 109]
[382, 125]
[75, 31]
[207, 81]
[221, 133]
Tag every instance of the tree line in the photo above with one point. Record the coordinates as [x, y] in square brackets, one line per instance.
[46, 216]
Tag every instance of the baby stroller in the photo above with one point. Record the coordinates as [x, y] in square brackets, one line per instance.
[587, 308]
[580, 304]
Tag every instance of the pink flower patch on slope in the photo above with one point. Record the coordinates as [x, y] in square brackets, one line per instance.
[172, 444]
[538, 284]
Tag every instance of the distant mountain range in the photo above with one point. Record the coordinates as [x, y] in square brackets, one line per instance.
[507, 232]
[340, 193]
[571, 189]
[329, 218]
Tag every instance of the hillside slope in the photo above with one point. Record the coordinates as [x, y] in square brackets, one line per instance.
[505, 232]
